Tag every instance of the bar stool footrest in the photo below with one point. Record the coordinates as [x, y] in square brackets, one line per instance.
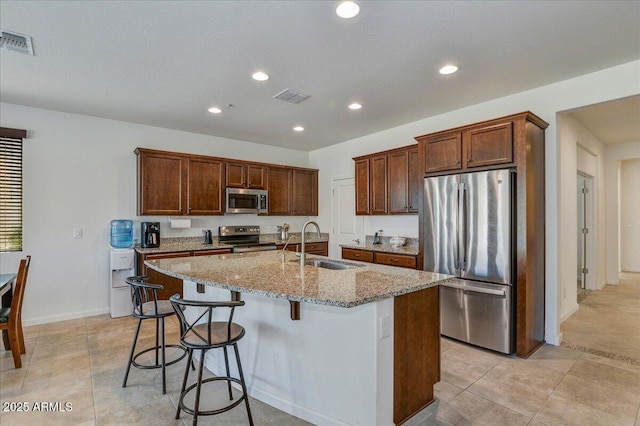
[159, 348]
[216, 411]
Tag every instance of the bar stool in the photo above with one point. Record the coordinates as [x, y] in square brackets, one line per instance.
[203, 333]
[147, 306]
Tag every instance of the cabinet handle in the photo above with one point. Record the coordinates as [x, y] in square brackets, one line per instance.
[394, 260]
[356, 255]
[458, 162]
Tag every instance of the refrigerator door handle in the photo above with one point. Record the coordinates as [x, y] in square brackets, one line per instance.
[475, 289]
[462, 226]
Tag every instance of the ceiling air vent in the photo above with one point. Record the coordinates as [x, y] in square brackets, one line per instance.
[16, 42]
[291, 96]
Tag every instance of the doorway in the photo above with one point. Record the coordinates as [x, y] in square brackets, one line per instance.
[346, 227]
[585, 231]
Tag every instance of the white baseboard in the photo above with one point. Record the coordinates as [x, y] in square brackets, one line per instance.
[553, 340]
[56, 318]
[568, 314]
[630, 269]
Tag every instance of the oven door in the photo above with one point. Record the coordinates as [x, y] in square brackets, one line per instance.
[241, 201]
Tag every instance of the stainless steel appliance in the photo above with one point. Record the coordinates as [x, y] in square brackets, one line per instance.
[243, 239]
[468, 232]
[254, 201]
[150, 234]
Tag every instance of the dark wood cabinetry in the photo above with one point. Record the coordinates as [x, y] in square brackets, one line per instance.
[321, 248]
[171, 285]
[488, 144]
[391, 259]
[388, 182]
[246, 175]
[515, 141]
[362, 186]
[293, 192]
[171, 183]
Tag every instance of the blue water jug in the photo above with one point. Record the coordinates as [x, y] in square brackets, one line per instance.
[121, 233]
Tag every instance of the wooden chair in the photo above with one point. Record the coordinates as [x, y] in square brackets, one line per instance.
[11, 318]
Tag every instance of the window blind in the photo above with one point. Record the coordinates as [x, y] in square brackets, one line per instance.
[10, 194]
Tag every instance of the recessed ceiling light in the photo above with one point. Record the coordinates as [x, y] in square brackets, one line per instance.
[260, 76]
[347, 10]
[355, 105]
[298, 128]
[448, 69]
[215, 110]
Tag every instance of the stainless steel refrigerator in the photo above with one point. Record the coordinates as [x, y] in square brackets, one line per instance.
[468, 232]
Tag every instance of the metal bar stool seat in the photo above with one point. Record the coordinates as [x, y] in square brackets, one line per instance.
[204, 334]
[147, 306]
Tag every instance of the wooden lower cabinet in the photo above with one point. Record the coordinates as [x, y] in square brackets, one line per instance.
[416, 351]
[171, 285]
[391, 259]
[321, 249]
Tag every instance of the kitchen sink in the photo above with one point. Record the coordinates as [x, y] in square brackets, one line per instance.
[329, 264]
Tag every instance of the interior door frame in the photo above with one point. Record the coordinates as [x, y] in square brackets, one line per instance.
[334, 245]
[589, 240]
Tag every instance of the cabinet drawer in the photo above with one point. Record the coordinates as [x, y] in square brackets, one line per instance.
[396, 260]
[355, 254]
[210, 252]
[316, 248]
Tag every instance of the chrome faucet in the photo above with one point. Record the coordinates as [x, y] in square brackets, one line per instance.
[304, 229]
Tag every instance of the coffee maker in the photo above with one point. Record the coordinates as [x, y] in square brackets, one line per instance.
[150, 235]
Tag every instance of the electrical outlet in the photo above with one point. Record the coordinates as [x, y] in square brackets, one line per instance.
[385, 326]
[77, 232]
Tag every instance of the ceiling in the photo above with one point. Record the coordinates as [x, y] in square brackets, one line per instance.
[612, 122]
[164, 63]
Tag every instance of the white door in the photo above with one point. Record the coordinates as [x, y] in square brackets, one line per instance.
[346, 227]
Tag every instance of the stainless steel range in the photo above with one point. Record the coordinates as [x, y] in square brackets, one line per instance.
[243, 239]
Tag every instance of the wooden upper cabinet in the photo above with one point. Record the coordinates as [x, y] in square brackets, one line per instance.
[362, 186]
[415, 180]
[161, 183]
[443, 153]
[246, 175]
[484, 145]
[398, 182]
[204, 187]
[378, 178]
[280, 187]
[304, 195]
[489, 145]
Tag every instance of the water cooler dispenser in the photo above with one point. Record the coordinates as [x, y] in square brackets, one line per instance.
[122, 267]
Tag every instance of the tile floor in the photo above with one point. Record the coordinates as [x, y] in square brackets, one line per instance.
[82, 361]
[608, 321]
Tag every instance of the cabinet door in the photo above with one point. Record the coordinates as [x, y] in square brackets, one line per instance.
[489, 145]
[304, 193]
[362, 186]
[378, 181]
[415, 181]
[161, 188]
[205, 186]
[236, 173]
[256, 176]
[397, 181]
[280, 187]
[401, 260]
[443, 153]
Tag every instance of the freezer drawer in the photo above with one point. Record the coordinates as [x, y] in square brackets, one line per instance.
[478, 313]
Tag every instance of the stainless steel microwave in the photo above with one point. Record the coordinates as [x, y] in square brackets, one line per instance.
[239, 200]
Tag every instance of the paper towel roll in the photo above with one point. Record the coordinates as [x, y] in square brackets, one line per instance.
[179, 222]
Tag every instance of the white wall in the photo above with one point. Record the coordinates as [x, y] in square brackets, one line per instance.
[630, 216]
[546, 102]
[583, 152]
[614, 155]
[80, 171]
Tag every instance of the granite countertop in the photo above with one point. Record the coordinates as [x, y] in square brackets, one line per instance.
[410, 248]
[178, 244]
[265, 273]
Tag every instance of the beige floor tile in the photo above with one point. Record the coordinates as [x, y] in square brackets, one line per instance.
[460, 373]
[470, 409]
[519, 386]
[475, 356]
[555, 357]
[611, 362]
[560, 411]
[445, 391]
[606, 374]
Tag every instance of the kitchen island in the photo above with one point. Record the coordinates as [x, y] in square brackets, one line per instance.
[365, 349]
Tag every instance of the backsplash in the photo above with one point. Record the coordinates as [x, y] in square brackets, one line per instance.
[410, 242]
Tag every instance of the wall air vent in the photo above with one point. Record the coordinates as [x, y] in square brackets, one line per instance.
[291, 96]
[16, 42]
